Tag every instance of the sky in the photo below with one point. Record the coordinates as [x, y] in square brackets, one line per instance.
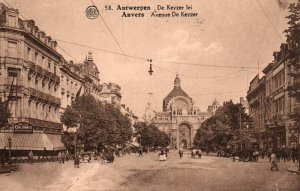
[227, 33]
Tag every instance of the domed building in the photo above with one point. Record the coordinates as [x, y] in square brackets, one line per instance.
[180, 118]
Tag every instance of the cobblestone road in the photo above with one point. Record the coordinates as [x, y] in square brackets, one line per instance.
[147, 173]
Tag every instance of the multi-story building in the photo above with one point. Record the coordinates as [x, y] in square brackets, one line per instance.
[256, 98]
[29, 85]
[211, 109]
[37, 84]
[71, 84]
[180, 119]
[279, 105]
[110, 93]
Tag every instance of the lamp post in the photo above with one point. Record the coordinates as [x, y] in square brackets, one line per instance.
[9, 150]
[298, 147]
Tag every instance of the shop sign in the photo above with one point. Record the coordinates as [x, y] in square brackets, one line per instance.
[23, 128]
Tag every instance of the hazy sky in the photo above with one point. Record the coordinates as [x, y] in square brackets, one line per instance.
[234, 33]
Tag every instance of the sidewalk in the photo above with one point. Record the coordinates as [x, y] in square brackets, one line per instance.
[294, 168]
[9, 169]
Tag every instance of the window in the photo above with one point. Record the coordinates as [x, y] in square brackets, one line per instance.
[12, 21]
[12, 49]
[54, 69]
[28, 54]
[49, 65]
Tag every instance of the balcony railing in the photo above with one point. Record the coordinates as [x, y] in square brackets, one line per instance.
[43, 96]
[38, 69]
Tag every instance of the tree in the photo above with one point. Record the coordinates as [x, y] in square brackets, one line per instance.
[293, 40]
[150, 135]
[4, 114]
[230, 124]
[99, 123]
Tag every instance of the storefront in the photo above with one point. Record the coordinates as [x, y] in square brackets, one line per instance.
[22, 138]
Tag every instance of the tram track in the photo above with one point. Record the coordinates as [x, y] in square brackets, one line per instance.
[147, 179]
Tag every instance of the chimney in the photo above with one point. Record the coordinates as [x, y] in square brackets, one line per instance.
[71, 62]
[90, 56]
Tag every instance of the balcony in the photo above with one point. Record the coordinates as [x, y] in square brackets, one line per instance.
[43, 96]
[38, 69]
[31, 66]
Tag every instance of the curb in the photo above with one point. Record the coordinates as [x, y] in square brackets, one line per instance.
[9, 170]
[293, 171]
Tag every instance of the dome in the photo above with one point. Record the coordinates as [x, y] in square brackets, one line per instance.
[176, 92]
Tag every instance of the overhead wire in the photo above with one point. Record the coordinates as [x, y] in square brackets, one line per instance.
[161, 61]
[270, 21]
[146, 59]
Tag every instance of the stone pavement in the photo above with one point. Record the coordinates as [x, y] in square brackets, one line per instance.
[132, 170]
[54, 176]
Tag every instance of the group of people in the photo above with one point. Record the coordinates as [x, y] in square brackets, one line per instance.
[284, 153]
[62, 156]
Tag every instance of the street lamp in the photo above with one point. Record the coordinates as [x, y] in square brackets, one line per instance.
[9, 150]
[298, 147]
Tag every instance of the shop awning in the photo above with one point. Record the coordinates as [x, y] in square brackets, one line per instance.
[35, 141]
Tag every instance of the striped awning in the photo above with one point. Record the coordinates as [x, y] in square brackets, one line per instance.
[35, 141]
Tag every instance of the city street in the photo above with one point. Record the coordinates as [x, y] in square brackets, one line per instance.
[147, 173]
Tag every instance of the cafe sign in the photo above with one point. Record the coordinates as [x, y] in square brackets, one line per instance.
[23, 128]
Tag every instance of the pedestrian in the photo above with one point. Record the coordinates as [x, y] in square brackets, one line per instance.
[180, 152]
[76, 160]
[255, 155]
[193, 154]
[63, 157]
[110, 155]
[278, 154]
[140, 151]
[199, 153]
[294, 154]
[269, 152]
[59, 157]
[30, 157]
[284, 153]
[273, 161]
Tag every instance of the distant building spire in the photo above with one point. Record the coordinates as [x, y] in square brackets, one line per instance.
[177, 81]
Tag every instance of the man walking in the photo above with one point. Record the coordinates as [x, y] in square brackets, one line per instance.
[140, 151]
[294, 154]
[30, 157]
[273, 161]
[180, 152]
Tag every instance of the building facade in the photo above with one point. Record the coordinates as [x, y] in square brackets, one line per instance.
[279, 105]
[29, 85]
[256, 96]
[180, 119]
[37, 84]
